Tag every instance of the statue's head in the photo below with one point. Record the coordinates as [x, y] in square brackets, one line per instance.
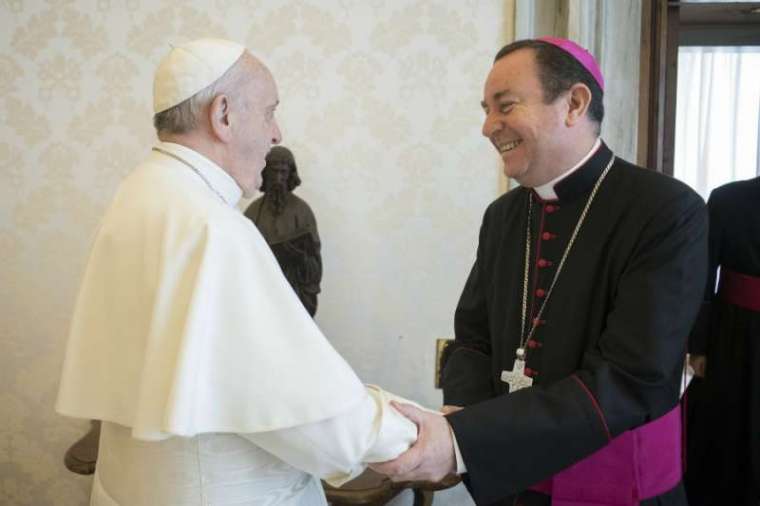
[280, 174]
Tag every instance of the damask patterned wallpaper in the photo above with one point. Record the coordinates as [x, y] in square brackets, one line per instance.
[380, 106]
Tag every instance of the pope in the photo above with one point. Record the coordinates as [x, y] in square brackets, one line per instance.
[213, 383]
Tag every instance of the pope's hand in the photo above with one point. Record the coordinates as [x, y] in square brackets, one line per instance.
[431, 458]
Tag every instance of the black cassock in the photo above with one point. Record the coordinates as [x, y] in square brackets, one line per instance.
[724, 422]
[608, 354]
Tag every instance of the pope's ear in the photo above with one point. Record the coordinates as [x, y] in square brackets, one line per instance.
[578, 101]
[219, 117]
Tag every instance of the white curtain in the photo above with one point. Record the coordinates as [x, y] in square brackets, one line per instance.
[717, 116]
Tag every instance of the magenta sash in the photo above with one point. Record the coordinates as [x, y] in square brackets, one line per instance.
[638, 464]
[740, 289]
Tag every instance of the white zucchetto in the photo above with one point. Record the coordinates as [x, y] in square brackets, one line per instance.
[191, 67]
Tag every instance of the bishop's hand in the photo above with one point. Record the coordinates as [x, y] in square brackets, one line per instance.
[431, 458]
[448, 409]
[699, 364]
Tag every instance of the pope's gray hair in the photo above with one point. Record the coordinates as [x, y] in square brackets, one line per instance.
[183, 117]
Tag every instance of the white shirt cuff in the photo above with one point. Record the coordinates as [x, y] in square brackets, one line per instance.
[461, 468]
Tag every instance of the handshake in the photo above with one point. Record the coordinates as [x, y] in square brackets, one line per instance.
[433, 456]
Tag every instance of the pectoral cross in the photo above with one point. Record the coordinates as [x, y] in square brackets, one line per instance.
[516, 378]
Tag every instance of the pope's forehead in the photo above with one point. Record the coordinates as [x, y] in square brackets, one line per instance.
[268, 79]
[259, 78]
[254, 66]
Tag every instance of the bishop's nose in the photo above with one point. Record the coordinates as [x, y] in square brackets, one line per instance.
[491, 126]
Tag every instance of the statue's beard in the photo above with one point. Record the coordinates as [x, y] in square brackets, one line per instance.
[276, 194]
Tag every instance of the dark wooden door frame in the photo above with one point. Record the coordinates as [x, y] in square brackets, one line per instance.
[666, 25]
[658, 78]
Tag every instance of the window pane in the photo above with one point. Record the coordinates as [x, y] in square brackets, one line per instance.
[717, 116]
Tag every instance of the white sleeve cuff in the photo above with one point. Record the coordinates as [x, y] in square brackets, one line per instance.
[338, 448]
[461, 468]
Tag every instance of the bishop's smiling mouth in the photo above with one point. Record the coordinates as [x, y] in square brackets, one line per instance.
[505, 147]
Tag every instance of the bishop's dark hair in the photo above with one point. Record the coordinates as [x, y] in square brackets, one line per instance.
[558, 72]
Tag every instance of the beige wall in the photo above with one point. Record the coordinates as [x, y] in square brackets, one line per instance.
[379, 104]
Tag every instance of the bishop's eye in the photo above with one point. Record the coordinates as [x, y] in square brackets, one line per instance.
[505, 107]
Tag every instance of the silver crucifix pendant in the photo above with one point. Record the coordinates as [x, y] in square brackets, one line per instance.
[516, 378]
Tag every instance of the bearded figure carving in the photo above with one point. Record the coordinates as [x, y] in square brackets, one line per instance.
[289, 227]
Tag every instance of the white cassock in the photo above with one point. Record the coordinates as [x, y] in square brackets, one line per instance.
[214, 384]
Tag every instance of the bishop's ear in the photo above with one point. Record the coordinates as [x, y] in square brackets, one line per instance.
[220, 118]
[579, 99]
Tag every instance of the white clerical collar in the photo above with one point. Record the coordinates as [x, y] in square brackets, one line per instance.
[218, 180]
[546, 190]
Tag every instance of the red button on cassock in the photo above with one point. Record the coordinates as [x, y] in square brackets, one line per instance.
[544, 263]
[538, 322]
[550, 208]
[531, 344]
[540, 292]
[528, 371]
[547, 236]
